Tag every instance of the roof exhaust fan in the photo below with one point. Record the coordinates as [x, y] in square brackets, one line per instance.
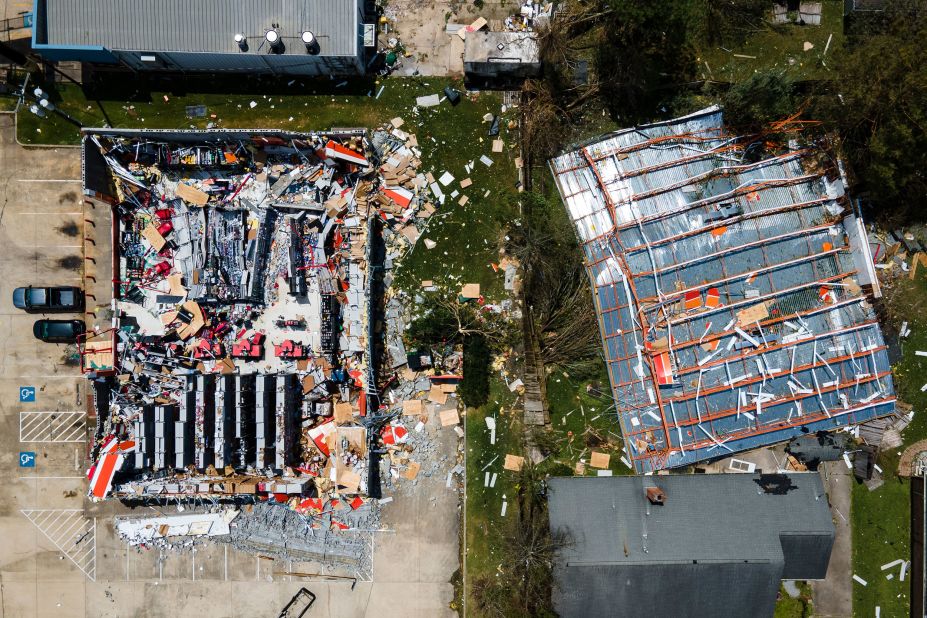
[276, 43]
[311, 42]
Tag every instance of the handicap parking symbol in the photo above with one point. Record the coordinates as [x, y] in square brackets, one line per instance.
[27, 394]
[26, 459]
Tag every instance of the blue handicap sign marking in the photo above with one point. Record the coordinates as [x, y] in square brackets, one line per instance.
[27, 394]
[26, 459]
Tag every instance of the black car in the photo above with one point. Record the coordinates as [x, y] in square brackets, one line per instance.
[58, 331]
[49, 300]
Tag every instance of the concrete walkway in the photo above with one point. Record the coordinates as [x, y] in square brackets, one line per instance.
[833, 597]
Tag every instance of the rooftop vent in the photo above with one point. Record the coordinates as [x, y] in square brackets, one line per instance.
[276, 43]
[312, 43]
[655, 495]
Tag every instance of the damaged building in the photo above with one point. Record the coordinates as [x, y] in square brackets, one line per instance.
[241, 364]
[732, 281]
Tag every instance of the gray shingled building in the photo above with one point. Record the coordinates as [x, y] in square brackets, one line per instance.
[718, 545]
[259, 36]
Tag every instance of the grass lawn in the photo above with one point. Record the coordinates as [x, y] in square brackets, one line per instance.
[881, 518]
[583, 421]
[484, 504]
[779, 47]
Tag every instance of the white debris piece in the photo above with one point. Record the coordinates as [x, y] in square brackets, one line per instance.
[446, 178]
[860, 580]
[430, 100]
[142, 531]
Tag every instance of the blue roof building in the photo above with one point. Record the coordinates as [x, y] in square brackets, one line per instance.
[732, 285]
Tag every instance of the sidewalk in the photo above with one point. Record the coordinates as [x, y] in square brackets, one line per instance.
[833, 597]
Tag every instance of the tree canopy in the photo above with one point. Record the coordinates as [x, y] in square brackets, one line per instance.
[878, 102]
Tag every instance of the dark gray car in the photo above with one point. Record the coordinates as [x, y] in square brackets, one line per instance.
[58, 299]
[58, 331]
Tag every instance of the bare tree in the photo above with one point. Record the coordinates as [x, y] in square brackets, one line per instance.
[566, 319]
[472, 319]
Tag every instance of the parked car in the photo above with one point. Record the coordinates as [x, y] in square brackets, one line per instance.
[49, 299]
[58, 331]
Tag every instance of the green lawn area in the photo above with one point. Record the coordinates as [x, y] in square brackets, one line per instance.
[881, 518]
[590, 416]
[484, 504]
[779, 47]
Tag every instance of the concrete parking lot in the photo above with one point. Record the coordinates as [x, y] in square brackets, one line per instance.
[59, 555]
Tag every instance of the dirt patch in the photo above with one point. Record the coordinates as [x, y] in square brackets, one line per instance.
[67, 197]
[69, 228]
[70, 262]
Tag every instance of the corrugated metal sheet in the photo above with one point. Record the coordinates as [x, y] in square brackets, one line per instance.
[205, 26]
[671, 211]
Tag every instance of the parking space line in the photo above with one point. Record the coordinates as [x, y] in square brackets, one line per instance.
[67, 529]
[45, 376]
[52, 426]
[48, 180]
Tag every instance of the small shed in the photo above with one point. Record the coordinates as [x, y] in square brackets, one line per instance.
[501, 59]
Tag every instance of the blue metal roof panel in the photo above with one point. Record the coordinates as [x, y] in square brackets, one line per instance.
[765, 237]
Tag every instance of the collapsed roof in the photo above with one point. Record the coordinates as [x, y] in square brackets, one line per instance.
[241, 362]
[732, 289]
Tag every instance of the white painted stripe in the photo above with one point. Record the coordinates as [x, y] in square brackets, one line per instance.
[36, 212]
[48, 179]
